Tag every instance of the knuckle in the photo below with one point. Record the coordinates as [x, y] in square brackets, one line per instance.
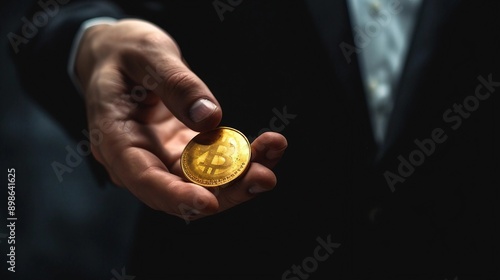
[178, 82]
[144, 177]
[153, 39]
[149, 44]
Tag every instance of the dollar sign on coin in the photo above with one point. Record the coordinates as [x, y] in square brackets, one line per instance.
[217, 157]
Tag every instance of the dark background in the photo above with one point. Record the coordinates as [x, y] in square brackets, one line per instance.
[69, 227]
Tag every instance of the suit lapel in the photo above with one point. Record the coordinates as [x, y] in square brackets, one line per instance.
[332, 22]
[424, 44]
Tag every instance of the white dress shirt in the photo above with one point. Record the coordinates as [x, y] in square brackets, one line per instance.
[382, 32]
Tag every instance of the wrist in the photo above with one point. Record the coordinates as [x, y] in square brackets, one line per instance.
[87, 56]
[81, 56]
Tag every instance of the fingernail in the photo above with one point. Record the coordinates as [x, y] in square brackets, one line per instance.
[201, 110]
[256, 189]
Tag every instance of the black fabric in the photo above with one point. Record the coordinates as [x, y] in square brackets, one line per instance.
[269, 58]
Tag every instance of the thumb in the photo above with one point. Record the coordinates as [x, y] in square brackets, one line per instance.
[187, 96]
[162, 70]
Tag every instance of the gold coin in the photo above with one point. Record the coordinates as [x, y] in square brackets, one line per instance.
[217, 157]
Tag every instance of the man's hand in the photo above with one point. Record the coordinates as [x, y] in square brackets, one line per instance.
[142, 96]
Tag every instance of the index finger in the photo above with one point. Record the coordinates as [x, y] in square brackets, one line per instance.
[145, 176]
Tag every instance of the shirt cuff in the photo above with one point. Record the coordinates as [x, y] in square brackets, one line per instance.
[76, 43]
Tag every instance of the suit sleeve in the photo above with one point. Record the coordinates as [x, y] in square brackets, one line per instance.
[40, 50]
[41, 53]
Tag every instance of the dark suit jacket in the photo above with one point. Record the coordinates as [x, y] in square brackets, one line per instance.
[425, 204]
